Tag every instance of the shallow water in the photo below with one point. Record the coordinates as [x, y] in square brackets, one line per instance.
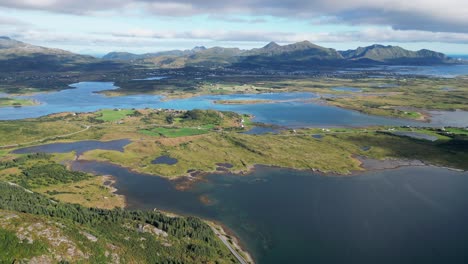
[406, 215]
[347, 89]
[155, 78]
[449, 118]
[164, 160]
[445, 71]
[79, 147]
[295, 113]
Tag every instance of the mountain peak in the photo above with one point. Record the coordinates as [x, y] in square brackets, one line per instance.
[379, 46]
[271, 45]
[198, 48]
[305, 42]
[305, 45]
[5, 38]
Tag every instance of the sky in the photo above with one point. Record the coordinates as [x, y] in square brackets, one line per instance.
[100, 26]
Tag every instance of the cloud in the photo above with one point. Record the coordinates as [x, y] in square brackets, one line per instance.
[147, 40]
[369, 34]
[10, 21]
[425, 15]
[234, 19]
[65, 6]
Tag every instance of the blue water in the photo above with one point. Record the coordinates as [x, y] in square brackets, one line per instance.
[407, 215]
[347, 89]
[79, 147]
[164, 160]
[151, 78]
[459, 56]
[295, 112]
[446, 71]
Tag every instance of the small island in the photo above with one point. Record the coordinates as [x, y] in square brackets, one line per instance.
[12, 102]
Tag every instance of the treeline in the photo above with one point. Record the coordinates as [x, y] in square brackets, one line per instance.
[195, 241]
[46, 174]
[207, 116]
[38, 170]
[22, 159]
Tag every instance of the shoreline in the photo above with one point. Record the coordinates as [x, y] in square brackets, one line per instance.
[109, 181]
[185, 181]
[227, 237]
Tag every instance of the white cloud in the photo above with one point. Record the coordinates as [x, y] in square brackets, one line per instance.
[427, 15]
[369, 34]
[147, 40]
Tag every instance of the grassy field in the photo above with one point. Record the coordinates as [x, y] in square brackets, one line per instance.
[44, 174]
[174, 132]
[199, 139]
[24, 131]
[334, 153]
[111, 115]
[4, 102]
[89, 193]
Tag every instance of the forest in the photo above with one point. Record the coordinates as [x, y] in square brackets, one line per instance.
[190, 239]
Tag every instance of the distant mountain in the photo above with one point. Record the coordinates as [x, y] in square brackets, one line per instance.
[304, 48]
[126, 56]
[274, 56]
[301, 54]
[16, 55]
[196, 57]
[120, 56]
[394, 55]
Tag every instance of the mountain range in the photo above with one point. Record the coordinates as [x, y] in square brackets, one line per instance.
[273, 55]
[302, 55]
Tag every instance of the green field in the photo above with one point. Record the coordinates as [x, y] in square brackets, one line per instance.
[5, 102]
[112, 115]
[175, 132]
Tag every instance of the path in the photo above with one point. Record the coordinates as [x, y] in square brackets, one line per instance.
[46, 138]
[233, 251]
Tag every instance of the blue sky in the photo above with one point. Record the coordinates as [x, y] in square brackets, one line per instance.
[98, 27]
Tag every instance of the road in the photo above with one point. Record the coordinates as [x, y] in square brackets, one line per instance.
[233, 251]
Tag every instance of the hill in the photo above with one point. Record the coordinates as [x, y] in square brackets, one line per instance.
[394, 55]
[19, 56]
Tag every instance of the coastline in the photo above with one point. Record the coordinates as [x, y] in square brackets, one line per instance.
[227, 237]
[231, 241]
